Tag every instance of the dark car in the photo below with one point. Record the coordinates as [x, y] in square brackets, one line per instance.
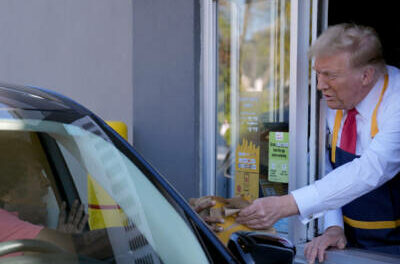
[54, 150]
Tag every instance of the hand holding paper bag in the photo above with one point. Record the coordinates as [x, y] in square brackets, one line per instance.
[264, 212]
[222, 215]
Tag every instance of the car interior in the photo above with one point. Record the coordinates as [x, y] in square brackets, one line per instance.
[28, 185]
[39, 173]
[33, 186]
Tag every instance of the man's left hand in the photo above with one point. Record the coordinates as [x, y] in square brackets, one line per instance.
[264, 212]
[332, 237]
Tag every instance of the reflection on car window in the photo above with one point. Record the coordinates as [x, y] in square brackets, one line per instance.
[26, 179]
[128, 217]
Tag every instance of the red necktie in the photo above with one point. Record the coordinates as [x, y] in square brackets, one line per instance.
[349, 132]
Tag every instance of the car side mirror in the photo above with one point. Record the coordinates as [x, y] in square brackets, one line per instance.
[260, 247]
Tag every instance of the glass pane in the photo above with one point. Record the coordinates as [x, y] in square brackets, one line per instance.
[253, 98]
[27, 182]
[46, 163]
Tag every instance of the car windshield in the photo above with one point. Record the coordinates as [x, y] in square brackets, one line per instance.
[47, 163]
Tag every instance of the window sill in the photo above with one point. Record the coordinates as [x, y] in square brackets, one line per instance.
[350, 255]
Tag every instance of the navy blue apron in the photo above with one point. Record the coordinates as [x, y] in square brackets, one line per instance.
[366, 217]
[371, 221]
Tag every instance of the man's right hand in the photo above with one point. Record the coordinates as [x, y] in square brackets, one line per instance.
[332, 237]
[199, 205]
[264, 212]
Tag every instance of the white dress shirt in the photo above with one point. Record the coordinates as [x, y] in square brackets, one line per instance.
[379, 157]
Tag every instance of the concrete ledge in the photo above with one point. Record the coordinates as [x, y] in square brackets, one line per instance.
[350, 255]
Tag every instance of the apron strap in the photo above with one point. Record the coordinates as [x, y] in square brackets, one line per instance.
[374, 123]
[338, 121]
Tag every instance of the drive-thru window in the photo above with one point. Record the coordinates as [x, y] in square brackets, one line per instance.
[263, 121]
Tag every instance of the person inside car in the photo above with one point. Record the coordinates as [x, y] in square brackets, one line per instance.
[25, 188]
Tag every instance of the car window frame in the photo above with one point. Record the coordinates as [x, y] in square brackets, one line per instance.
[62, 175]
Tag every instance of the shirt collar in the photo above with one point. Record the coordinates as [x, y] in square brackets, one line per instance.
[367, 105]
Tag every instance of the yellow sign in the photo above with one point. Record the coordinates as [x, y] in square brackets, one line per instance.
[246, 183]
[247, 169]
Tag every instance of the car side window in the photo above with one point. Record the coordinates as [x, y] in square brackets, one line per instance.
[138, 218]
[43, 164]
[27, 183]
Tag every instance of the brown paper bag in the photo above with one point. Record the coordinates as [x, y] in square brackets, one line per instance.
[227, 209]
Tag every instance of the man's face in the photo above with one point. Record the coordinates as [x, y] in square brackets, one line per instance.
[340, 84]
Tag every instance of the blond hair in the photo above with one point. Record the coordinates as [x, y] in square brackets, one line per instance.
[361, 42]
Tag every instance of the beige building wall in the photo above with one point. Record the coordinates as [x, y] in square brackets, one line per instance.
[80, 48]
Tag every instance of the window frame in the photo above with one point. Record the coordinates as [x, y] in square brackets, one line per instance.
[298, 103]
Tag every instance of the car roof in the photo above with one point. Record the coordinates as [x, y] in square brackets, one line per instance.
[34, 98]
